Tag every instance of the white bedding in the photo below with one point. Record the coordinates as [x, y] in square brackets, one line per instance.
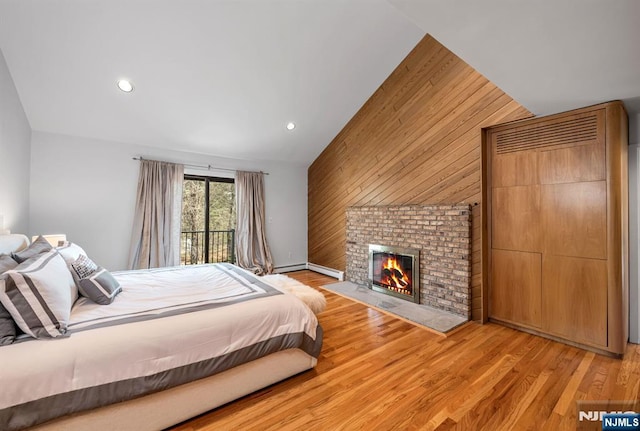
[164, 344]
[156, 291]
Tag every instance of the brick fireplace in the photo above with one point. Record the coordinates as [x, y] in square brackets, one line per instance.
[441, 233]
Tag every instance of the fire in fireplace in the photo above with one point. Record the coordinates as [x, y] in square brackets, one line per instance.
[395, 271]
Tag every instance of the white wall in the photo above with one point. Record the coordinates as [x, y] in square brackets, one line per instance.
[15, 147]
[634, 229]
[86, 188]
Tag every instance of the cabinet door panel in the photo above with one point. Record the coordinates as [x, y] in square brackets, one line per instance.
[575, 219]
[516, 218]
[515, 169]
[574, 164]
[574, 294]
[515, 287]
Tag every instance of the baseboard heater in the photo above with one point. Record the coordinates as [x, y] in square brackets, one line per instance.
[312, 267]
[326, 271]
[290, 268]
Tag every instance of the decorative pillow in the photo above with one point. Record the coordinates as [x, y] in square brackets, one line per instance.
[70, 251]
[40, 245]
[7, 325]
[7, 263]
[95, 282]
[83, 266]
[37, 294]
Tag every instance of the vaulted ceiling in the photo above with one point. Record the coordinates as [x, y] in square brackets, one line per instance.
[224, 77]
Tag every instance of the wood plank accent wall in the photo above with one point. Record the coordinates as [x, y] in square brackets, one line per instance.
[415, 141]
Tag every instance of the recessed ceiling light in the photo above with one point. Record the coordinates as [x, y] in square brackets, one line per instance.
[125, 86]
[291, 126]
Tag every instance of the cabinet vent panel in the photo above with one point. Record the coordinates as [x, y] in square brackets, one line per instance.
[583, 129]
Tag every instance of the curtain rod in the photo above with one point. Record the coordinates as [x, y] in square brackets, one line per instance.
[191, 165]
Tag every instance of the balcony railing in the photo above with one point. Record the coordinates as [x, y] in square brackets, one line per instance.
[221, 247]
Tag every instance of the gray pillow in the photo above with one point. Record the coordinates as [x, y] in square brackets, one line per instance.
[40, 245]
[95, 282]
[7, 325]
[7, 263]
[83, 266]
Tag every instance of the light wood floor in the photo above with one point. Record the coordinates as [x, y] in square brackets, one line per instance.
[377, 372]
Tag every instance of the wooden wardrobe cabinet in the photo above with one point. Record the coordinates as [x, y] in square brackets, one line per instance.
[555, 226]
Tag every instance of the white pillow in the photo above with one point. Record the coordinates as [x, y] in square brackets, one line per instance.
[38, 294]
[70, 251]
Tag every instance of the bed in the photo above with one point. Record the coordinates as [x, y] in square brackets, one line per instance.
[169, 347]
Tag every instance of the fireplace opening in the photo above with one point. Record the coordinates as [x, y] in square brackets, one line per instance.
[395, 271]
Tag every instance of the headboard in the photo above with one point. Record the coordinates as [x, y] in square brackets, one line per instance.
[12, 243]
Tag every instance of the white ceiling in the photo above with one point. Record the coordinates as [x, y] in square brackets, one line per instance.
[223, 77]
[549, 55]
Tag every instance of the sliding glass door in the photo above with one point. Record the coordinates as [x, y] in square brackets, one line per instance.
[208, 220]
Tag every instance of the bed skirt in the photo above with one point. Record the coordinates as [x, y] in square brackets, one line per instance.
[163, 409]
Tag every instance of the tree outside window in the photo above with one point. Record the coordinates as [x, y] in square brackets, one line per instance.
[208, 220]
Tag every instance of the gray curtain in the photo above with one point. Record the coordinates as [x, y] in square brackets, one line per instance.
[252, 251]
[155, 240]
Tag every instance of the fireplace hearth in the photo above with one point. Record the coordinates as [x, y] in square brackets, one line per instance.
[395, 271]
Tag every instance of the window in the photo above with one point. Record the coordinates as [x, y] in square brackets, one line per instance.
[208, 220]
